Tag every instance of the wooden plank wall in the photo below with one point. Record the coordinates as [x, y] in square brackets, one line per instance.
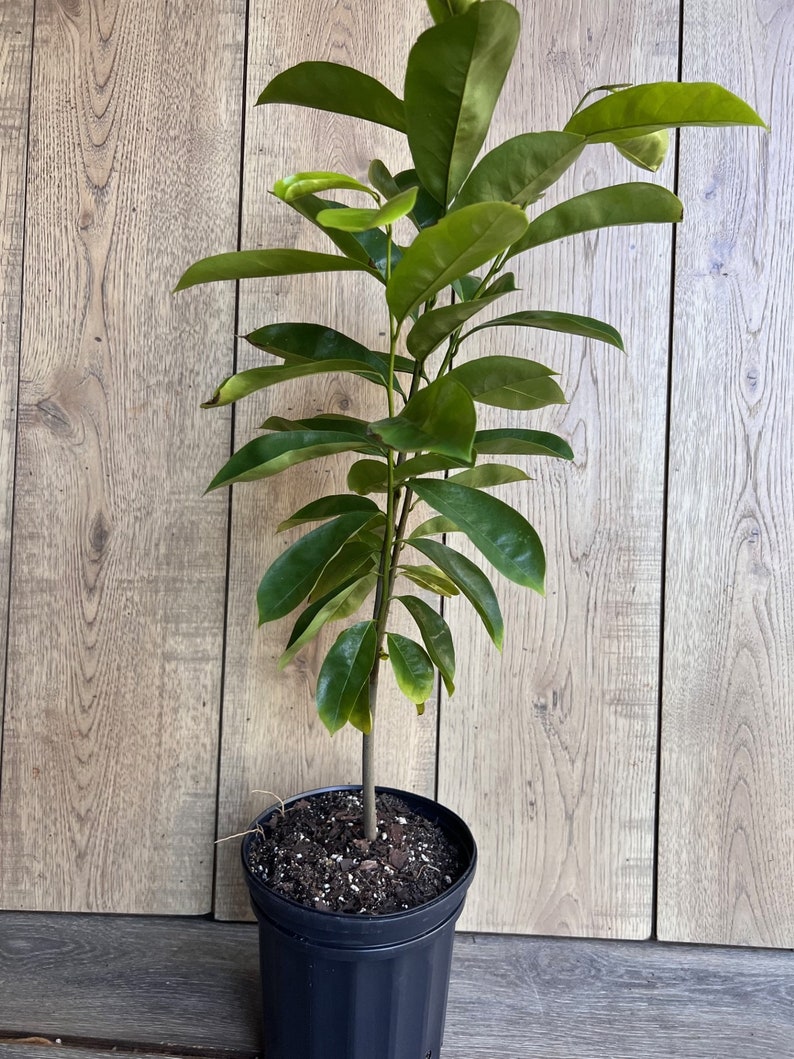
[117, 576]
[726, 870]
[118, 567]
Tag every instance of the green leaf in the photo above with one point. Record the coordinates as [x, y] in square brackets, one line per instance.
[427, 463]
[269, 455]
[291, 577]
[441, 10]
[246, 382]
[520, 169]
[647, 108]
[439, 418]
[341, 603]
[299, 342]
[633, 203]
[361, 715]
[352, 220]
[258, 264]
[510, 441]
[430, 578]
[369, 247]
[344, 673]
[412, 668]
[298, 184]
[509, 382]
[339, 89]
[355, 559]
[648, 152]
[488, 475]
[330, 421]
[502, 534]
[567, 323]
[427, 211]
[453, 79]
[433, 327]
[328, 507]
[471, 581]
[380, 178]
[436, 637]
[450, 249]
[433, 526]
[368, 476]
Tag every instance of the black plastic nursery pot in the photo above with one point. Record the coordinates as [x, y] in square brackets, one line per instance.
[343, 986]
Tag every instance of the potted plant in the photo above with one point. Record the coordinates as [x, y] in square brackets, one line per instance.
[355, 943]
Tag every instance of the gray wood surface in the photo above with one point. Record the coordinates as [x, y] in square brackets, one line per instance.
[185, 985]
[117, 597]
[16, 33]
[726, 853]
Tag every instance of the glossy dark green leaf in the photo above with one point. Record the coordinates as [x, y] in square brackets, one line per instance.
[370, 247]
[436, 637]
[355, 559]
[634, 203]
[520, 169]
[299, 342]
[502, 534]
[339, 89]
[330, 421]
[296, 185]
[328, 507]
[433, 327]
[291, 577]
[510, 441]
[439, 418]
[246, 382]
[430, 578]
[380, 178]
[647, 108]
[412, 668]
[509, 382]
[488, 475]
[427, 211]
[648, 152]
[258, 264]
[341, 603]
[567, 323]
[356, 220]
[466, 287]
[273, 453]
[471, 581]
[457, 244]
[427, 463]
[344, 674]
[454, 75]
[368, 476]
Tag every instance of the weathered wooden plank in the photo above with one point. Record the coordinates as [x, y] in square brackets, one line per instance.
[271, 736]
[183, 985]
[726, 857]
[16, 35]
[549, 752]
[35, 1048]
[118, 581]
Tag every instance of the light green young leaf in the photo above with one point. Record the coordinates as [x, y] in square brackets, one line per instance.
[361, 715]
[453, 79]
[427, 463]
[520, 169]
[412, 668]
[502, 534]
[566, 323]
[341, 603]
[471, 581]
[436, 637]
[441, 10]
[648, 152]
[259, 264]
[369, 247]
[633, 203]
[648, 108]
[430, 578]
[247, 382]
[509, 382]
[344, 673]
[296, 185]
[354, 220]
[439, 418]
[450, 249]
[488, 475]
[433, 327]
[289, 579]
[339, 89]
[432, 527]
[328, 507]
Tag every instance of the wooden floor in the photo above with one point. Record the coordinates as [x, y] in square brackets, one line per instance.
[89, 986]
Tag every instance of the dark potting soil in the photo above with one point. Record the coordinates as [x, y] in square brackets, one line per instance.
[316, 854]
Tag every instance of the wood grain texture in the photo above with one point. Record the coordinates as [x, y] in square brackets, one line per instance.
[191, 986]
[117, 597]
[16, 38]
[272, 738]
[549, 752]
[726, 857]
